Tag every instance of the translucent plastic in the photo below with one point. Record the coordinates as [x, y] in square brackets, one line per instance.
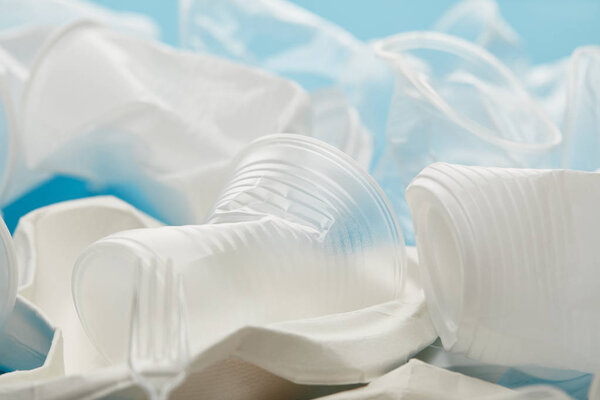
[135, 127]
[509, 262]
[582, 117]
[244, 32]
[54, 13]
[455, 102]
[480, 22]
[8, 274]
[300, 231]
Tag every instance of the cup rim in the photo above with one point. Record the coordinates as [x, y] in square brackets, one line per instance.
[390, 49]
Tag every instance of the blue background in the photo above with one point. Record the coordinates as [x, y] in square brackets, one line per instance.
[550, 29]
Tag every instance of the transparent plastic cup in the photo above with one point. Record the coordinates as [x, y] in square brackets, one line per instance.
[8, 274]
[299, 231]
[509, 262]
[455, 102]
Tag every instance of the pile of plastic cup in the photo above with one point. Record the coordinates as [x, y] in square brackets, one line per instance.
[509, 262]
[455, 102]
[300, 230]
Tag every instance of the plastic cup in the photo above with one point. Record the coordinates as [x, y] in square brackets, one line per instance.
[8, 274]
[509, 262]
[299, 231]
[455, 102]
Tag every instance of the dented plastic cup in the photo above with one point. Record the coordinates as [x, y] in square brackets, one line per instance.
[8, 274]
[509, 262]
[455, 102]
[299, 231]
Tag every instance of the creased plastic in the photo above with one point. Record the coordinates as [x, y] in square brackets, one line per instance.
[508, 262]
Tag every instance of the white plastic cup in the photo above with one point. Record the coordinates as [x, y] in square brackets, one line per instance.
[455, 102]
[510, 262]
[299, 231]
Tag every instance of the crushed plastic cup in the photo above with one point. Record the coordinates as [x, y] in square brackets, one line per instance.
[134, 126]
[243, 32]
[299, 231]
[8, 274]
[581, 124]
[455, 102]
[509, 262]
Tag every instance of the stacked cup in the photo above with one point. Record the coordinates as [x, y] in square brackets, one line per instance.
[299, 231]
[510, 262]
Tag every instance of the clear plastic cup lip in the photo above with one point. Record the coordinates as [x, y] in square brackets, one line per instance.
[8, 274]
[390, 49]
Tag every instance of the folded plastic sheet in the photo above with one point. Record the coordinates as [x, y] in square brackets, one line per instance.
[132, 126]
[24, 28]
[308, 49]
[508, 261]
[574, 383]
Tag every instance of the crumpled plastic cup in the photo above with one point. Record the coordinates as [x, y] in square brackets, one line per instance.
[509, 262]
[8, 274]
[299, 231]
[455, 102]
[25, 25]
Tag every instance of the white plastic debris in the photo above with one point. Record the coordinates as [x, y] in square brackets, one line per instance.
[508, 260]
[160, 124]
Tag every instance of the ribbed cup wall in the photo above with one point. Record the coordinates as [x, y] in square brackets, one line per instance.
[299, 231]
[528, 262]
